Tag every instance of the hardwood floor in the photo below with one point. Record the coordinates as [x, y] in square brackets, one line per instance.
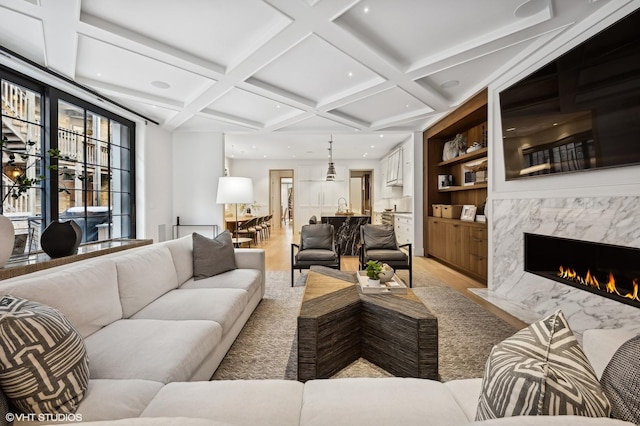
[278, 258]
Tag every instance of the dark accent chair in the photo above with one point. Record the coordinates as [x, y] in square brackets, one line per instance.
[378, 242]
[317, 247]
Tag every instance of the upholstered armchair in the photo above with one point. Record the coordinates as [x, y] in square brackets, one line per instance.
[378, 242]
[317, 247]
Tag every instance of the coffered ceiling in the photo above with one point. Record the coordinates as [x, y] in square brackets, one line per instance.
[279, 77]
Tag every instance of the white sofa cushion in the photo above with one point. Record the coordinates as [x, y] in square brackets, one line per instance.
[466, 393]
[222, 305]
[157, 350]
[157, 421]
[600, 344]
[243, 279]
[239, 402]
[86, 293]
[182, 254]
[144, 275]
[379, 401]
[112, 399]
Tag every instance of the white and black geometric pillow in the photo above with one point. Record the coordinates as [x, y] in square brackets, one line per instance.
[621, 381]
[44, 366]
[540, 370]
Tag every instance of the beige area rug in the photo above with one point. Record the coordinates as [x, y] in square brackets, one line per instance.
[266, 347]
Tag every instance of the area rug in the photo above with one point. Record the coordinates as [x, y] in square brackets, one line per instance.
[266, 347]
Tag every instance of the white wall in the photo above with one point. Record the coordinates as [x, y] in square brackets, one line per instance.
[154, 182]
[197, 162]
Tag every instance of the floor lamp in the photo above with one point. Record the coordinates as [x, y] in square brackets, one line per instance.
[235, 190]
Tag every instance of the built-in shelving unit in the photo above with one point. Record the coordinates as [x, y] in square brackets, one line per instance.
[457, 243]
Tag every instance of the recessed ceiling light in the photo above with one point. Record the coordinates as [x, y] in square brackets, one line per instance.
[382, 136]
[366, 9]
[373, 146]
[278, 106]
[350, 74]
[253, 147]
[99, 74]
[160, 84]
[364, 155]
[530, 8]
[449, 83]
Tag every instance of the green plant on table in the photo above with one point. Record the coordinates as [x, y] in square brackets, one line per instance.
[22, 181]
[374, 269]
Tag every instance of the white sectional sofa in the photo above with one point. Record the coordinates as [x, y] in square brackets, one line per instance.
[154, 337]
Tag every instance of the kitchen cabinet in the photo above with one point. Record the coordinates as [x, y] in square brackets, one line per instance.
[394, 168]
[407, 170]
[403, 227]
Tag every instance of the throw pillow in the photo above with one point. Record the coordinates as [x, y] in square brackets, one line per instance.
[44, 366]
[621, 381]
[212, 256]
[540, 370]
[379, 237]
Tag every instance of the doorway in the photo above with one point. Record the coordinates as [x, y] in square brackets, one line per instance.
[360, 191]
[281, 197]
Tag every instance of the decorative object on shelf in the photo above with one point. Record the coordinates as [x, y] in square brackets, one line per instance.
[331, 171]
[445, 181]
[475, 172]
[474, 147]
[468, 212]
[454, 147]
[7, 238]
[387, 273]
[235, 190]
[61, 239]
[374, 270]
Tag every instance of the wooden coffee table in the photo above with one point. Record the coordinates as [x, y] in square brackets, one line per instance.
[337, 324]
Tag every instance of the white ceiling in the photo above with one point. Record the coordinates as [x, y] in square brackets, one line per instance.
[279, 77]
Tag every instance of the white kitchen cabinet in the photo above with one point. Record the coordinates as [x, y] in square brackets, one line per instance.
[407, 171]
[394, 168]
[403, 227]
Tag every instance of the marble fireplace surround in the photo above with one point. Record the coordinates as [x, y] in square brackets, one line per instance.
[611, 220]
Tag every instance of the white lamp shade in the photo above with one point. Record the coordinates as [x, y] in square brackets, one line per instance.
[234, 190]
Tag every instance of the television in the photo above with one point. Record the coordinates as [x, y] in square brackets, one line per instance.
[579, 112]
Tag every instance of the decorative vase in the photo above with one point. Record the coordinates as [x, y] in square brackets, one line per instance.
[387, 273]
[61, 239]
[7, 239]
[374, 283]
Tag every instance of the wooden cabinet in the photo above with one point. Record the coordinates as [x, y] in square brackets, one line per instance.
[460, 244]
[403, 227]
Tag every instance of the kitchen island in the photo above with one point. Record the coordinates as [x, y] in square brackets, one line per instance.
[347, 231]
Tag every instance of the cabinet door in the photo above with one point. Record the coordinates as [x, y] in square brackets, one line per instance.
[407, 173]
[437, 239]
[479, 252]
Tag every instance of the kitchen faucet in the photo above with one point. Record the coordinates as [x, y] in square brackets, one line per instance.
[339, 204]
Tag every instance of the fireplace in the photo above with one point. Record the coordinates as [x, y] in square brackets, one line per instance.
[603, 269]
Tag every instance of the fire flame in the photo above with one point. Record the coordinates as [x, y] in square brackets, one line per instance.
[590, 280]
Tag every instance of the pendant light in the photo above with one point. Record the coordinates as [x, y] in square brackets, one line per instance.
[331, 172]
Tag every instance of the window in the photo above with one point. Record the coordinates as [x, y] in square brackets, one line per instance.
[89, 180]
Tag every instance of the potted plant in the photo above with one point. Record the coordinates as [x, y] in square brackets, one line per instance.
[22, 182]
[374, 269]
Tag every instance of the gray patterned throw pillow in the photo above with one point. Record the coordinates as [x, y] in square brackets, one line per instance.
[44, 366]
[540, 370]
[621, 381]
